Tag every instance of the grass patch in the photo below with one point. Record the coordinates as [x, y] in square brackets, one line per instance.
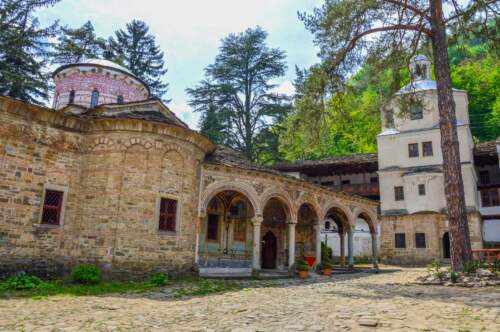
[206, 287]
[58, 287]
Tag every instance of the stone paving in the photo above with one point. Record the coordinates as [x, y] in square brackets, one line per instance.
[357, 302]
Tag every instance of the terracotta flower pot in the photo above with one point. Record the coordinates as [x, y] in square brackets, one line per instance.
[303, 274]
[327, 272]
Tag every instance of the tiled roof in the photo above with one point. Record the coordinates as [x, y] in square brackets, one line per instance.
[346, 160]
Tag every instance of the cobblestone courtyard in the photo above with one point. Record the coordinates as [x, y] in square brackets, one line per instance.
[341, 303]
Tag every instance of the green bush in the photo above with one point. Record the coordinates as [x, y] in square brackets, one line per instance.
[86, 274]
[453, 277]
[301, 265]
[326, 264]
[22, 281]
[434, 268]
[326, 251]
[158, 279]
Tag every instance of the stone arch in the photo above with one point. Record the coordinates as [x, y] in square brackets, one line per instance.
[136, 141]
[312, 203]
[344, 209]
[100, 144]
[284, 198]
[368, 216]
[243, 188]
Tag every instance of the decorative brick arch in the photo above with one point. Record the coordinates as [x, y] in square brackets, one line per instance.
[101, 143]
[284, 198]
[312, 203]
[330, 205]
[241, 187]
[372, 217]
[137, 141]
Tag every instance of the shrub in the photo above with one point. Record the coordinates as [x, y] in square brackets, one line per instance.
[434, 269]
[326, 264]
[22, 281]
[453, 276]
[86, 274]
[326, 251]
[158, 279]
[470, 267]
[302, 265]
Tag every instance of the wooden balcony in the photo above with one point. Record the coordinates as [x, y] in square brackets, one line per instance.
[362, 189]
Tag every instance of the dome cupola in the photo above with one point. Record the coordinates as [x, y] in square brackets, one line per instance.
[95, 82]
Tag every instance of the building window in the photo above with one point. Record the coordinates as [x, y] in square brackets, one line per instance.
[52, 207]
[71, 99]
[484, 177]
[427, 149]
[399, 194]
[94, 99]
[490, 197]
[119, 99]
[346, 181]
[420, 240]
[168, 215]
[416, 112]
[213, 227]
[421, 189]
[413, 150]
[400, 239]
[374, 179]
[240, 230]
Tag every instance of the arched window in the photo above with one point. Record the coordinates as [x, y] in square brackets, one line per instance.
[71, 99]
[119, 100]
[94, 99]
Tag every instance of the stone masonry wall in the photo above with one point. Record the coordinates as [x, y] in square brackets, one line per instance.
[114, 180]
[434, 226]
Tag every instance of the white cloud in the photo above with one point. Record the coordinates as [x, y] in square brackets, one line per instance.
[286, 88]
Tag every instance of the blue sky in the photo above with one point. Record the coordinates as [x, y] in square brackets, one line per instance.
[189, 32]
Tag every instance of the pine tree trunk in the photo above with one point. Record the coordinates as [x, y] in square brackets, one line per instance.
[460, 246]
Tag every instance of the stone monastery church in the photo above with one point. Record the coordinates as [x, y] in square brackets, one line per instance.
[111, 176]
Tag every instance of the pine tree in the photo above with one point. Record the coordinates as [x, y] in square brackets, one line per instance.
[76, 45]
[24, 50]
[136, 49]
[239, 84]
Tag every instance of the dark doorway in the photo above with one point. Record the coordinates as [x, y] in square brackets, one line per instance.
[269, 251]
[446, 245]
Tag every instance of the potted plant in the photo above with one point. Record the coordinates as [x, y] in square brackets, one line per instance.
[302, 269]
[327, 266]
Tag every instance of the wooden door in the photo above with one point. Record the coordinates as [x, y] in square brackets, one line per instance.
[269, 251]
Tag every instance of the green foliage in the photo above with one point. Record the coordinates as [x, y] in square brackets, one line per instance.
[76, 45]
[22, 281]
[326, 252]
[206, 287]
[236, 99]
[136, 49]
[24, 50]
[435, 269]
[158, 279]
[86, 274]
[301, 265]
[326, 263]
[453, 276]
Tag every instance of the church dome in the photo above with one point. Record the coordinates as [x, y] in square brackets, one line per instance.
[95, 82]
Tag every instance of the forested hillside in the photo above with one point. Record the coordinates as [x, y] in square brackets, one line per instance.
[325, 124]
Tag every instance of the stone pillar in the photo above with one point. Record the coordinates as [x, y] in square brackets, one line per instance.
[342, 248]
[317, 228]
[291, 245]
[350, 247]
[374, 250]
[199, 222]
[256, 223]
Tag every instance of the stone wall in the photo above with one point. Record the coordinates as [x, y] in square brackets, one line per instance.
[114, 173]
[434, 226]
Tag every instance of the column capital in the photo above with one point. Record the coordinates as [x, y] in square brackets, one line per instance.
[293, 221]
[257, 220]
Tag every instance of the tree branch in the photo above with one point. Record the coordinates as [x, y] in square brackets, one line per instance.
[414, 9]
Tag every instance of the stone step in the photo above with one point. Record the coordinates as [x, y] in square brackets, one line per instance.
[225, 272]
